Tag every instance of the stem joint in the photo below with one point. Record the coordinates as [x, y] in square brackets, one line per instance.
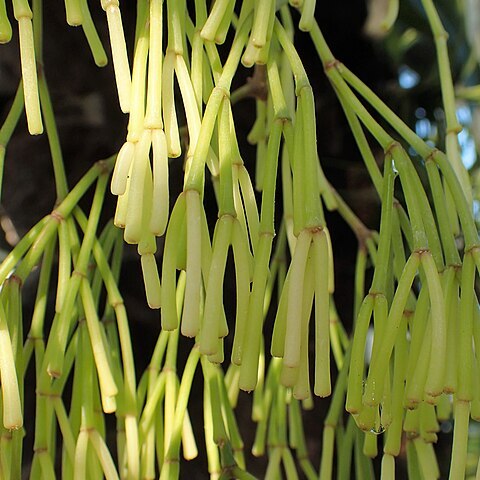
[331, 64]
[57, 216]
[391, 147]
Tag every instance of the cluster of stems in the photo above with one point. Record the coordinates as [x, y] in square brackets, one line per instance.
[422, 367]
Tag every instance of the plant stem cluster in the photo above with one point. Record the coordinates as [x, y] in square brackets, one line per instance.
[423, 367]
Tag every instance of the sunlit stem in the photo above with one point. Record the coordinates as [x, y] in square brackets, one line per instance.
[328, 446]
[301, 389]
[122, 168]
[104, 456]
[450, 287]
[393, 441]
[440, 198]
[74, 12]
[210, 28]
[355, 377]
[221, 90]
[64, 264]
[307, 17]
[225, 151]
[417, 368]
[151, 279]
[197, 68]
[226, 23]
[161, 195]
[260, 23]
[465, 329]
[80, 464]
[139, 73]
[322, 318]
[153, 115]
[180, 410]
[107, 384]
[362, 143]
[94, 42]
[249, 368]
[464, 211]
[213, 456]
[460, 440]
[190, 450]
[170, 256]
[12, 408]
[189, 101]
[191, 309]
[177, 11]
[54, 355]
[168, 106]
[379, 363]
[23, 15]
[214, 299]
[448, 98]
[251, 347]
[436, 376]
[242, 258]
[136, 191]
[250, 204]
[379, 283]
[5, 27]
[119, 53]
